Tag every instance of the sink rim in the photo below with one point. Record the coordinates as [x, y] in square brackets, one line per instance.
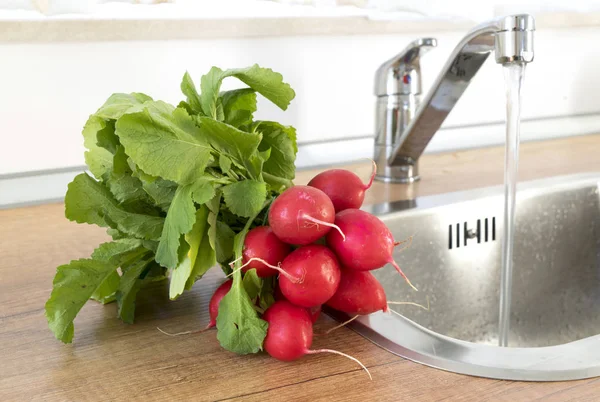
[566, 362]
[387, 210]
[575, 360]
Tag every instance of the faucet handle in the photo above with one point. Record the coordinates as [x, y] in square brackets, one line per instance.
[401, 75]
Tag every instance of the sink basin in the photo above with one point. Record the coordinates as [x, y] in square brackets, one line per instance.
[454, 260]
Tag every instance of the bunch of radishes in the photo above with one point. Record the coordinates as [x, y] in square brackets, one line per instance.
[322, 248]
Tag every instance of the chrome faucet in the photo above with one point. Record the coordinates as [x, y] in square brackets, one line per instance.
[404, 123]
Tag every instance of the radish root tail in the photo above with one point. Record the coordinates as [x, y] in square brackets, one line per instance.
[319, 222]
[403, 275]
[374, 171]
[408, 240]
[198, 331]
[395, 312]
[233, 272]
[330, 330]
[412, 304]
[312, 352]
[275, 267]
[232, 265]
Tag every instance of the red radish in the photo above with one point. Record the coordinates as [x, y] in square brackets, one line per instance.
[368, 243]
[262, 243]
[290, 333]
[215, 300]
[213, 309]
[277, 295]
[319, 271]
[309, 275]
[344, 188]
[359, 292]
[314, 313]
[302, 215]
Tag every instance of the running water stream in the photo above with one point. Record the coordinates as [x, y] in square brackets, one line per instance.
[513, 78]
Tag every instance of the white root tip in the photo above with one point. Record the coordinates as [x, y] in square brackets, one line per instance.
[232, 264]
[185, 332]
[275, 267]
[312, 352]
[319, 222]
[330, 330]
[403, 275]
[234, 271]
[373, 172]
[408, 240]
[412, 304]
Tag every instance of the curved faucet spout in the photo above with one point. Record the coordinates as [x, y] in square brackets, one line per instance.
[510, 37]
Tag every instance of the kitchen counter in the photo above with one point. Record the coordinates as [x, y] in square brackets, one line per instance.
[110, 360]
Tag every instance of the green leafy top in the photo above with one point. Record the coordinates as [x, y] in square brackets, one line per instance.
[177, 189]
[262, 80]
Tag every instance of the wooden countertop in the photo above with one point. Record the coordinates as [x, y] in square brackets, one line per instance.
[110, 360]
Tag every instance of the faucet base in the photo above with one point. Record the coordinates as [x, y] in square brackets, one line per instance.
[397, 180]
[403, 173]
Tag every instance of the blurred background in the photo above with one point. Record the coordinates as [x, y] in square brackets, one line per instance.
[61, 59]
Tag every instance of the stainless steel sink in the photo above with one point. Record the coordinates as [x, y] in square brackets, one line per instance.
[454, 260]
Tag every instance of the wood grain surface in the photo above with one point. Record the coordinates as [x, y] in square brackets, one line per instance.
[109, 360]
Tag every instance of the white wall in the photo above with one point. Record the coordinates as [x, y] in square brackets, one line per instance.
[48, 90]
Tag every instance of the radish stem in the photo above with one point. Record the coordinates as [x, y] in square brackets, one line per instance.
[312, 352]
[319, 222]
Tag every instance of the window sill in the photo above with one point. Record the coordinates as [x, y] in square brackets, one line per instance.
[98, 28]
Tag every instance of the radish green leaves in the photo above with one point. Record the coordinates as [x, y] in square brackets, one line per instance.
[239, 329]
[177, 187]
